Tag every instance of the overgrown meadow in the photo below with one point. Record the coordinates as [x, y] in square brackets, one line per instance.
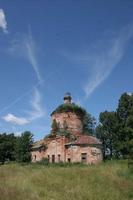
[112, 180]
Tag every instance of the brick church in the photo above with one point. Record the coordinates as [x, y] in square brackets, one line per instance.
[67, 141]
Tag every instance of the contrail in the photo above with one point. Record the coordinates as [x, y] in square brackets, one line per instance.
[26, 93]
[31, 55]
[20, 97]
[107, 58]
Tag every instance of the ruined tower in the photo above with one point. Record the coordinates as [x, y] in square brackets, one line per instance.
[67, 141]
[69, 115]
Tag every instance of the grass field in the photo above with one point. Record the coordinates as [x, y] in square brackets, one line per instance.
[108, 181]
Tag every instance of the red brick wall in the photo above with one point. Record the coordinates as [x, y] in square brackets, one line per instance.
[73, 121]
[74, 154]
[56, 147]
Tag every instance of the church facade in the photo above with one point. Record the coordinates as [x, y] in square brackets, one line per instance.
[67, 141]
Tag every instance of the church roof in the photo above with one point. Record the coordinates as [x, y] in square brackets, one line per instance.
[85, 139]
[38, 144]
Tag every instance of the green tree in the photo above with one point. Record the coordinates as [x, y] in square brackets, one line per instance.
[7, 147]
[23, 147]
[116, 128]
[125, 118]
[125, 108]
[101, 134]
[106, 131]
[89, 124]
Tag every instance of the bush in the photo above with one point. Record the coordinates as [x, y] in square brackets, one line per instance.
[44, 161]
[130, 165]
[70, 108]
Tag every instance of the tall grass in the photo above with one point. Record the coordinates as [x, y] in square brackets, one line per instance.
[108, 181]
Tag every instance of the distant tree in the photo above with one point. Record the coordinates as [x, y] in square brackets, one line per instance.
[23, 147]
[89, 124]
[106, 131]
[125, 118]
[101, 134]
[7, 147]
[125, 108]
[116, 128]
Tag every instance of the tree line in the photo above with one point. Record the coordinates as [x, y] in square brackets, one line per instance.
[115, 130]
[15, 148]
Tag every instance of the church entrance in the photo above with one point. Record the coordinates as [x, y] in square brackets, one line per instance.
[53, 158]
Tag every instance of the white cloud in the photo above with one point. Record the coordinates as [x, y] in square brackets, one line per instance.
[35, 113]
[108, 53]
[15, 120]
[3, 23]
[37, 110]
[26, 48]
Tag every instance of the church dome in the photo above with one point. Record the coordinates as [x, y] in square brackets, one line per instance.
[67, 106]
[70, 114]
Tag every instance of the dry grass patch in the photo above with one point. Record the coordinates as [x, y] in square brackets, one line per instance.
[112, 181]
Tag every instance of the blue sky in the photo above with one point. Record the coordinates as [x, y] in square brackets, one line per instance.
[48, 48]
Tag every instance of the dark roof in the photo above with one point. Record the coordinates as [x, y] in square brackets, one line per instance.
[38, 146]
[68, 96]
[85, 139]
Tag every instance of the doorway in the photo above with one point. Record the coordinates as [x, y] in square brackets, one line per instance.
[53, 158]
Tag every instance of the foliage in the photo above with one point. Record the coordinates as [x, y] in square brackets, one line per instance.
[65, 126]
[23, 147]
[89, 124]
[125, 118]
[125, 108]
[116, 128]
[54, 127]
[106, 131]
[44, 161]
[7, 151]
[70, 108]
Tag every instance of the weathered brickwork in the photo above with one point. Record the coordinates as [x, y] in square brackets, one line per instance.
[60, 148]
[74, 122]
